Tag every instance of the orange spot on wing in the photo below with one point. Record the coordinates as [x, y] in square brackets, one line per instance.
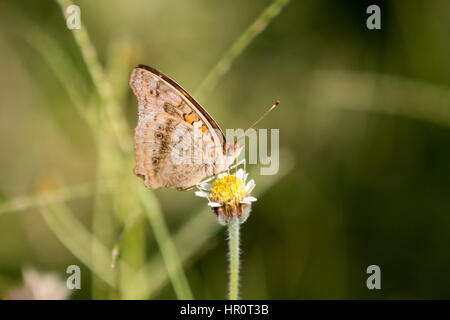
[204, 129]
[190, 118]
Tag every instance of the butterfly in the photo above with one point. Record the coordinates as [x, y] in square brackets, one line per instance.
[177, 142]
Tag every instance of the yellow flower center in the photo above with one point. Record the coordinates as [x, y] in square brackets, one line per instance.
[221, 191]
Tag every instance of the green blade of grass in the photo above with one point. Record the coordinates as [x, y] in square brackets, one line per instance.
[63, 194]
[78, 240]
[381, 93]
[131, 241]
[238, 47]
[63, 70]
[118, 68]
[103, 219]
[166, 245]
[101, 82]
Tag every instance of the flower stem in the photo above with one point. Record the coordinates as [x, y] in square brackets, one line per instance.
[233, 246]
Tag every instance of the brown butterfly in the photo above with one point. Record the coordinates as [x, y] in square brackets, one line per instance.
[177, 142]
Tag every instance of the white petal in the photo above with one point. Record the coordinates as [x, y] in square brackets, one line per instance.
[248, 200]
[240, 174]
[250, 185]
[202, 194]
[214, 204]
[204, 186]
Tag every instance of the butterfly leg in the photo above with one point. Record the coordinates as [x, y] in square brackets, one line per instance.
[238, 164]
[204, 181]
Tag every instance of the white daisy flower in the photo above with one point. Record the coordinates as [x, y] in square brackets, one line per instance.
[229, 196]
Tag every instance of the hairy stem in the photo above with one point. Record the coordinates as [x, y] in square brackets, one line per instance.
[233, 247]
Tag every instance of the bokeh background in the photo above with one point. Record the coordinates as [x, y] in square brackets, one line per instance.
[364, 130]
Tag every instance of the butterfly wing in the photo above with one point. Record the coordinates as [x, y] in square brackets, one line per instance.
[189, 107]
[176, 140]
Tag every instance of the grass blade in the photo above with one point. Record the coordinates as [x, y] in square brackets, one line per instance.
[381, 93]
[238, 47]
[62, 194]
[166, 246]
[78, 240]
[101, 82]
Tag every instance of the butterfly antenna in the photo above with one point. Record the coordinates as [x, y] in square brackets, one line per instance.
[260, 118]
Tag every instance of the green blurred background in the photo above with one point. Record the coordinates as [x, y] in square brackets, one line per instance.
[364, 131]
